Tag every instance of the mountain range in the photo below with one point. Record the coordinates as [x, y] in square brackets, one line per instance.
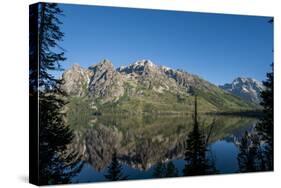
[144, 87]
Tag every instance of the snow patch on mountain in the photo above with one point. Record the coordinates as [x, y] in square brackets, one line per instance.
[248, 89]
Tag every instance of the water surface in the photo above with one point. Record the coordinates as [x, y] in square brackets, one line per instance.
[145, 145]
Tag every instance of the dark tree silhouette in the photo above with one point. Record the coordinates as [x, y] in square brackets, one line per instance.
[115, 170]
[162, 170]
[33, 96]
[171, 170]
[196, 149]
[56, 164]
[265, 126]
[33, 51]
[248, 157]
[266, 123]
[159, 170]
[256, 150]
[50, 53]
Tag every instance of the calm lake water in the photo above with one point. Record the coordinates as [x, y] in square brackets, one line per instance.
[144, 145]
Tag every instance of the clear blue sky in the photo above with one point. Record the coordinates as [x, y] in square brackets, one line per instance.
[216, 47]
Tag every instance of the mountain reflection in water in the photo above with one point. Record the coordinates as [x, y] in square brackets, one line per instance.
[146, 144]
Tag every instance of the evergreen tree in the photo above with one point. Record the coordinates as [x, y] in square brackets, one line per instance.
[266, 123]
[196, 149]
[115, 170]
[56, 164]
[256, 151]
[159, 170]
[50, 52]
[162, 170]
[247, 154]
[265, 126]
[33, 52]
[171, 170]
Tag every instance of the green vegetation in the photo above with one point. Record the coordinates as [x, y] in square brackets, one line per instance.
[170, 103]
[142, 99]
[224, 101]
[79, 113]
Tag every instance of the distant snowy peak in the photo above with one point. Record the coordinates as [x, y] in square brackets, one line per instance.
[248, 89]
[241, 81]
[144, 62]
[139, 67]
[140, 64]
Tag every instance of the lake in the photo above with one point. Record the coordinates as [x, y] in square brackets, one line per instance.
[142, 147]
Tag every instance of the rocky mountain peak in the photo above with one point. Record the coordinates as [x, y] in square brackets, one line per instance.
[75, 79]
[144, 62]
[76, 67]
[102, 65]
[241, 80]
[247, 88]
[99, 80]
[106, 82]
[140, 67]
[164, 68]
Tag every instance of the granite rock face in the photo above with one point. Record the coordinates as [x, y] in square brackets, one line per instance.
[106, 82]
[248, 89]
[144, 85]
[100, 144]
[76, 80]
[98, 81]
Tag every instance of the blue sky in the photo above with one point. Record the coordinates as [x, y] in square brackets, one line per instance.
[216, 47]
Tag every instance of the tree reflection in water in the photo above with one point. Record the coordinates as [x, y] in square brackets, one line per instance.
[255, 153]
[115, 170]
[163, 170]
